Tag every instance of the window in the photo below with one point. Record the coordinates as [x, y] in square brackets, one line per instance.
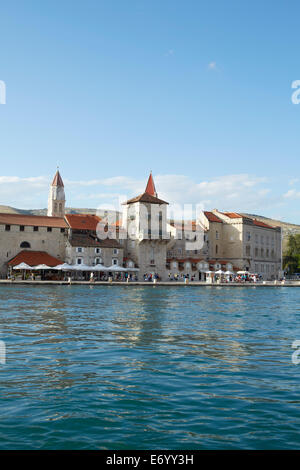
[49, 229]
[262, 240]
[79, 261]
[98, 260]
[248, 250]
[22, 228]
[256, 238]
[115, 261]
[256, 252]
[60, 207]
[97, 250]
[267, 252]
[7, 228]
[25, 245]
[55, 206]
[216, 249]
[217, 235]
[62, 230]
[79, 249]
[262, 268]
[35, 229]
[262, 252]
[152, 258]
[115, 251]
[248, 236]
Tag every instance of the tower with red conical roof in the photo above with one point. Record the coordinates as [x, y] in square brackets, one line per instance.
[145, 221]
[150, 188]
[56, 199]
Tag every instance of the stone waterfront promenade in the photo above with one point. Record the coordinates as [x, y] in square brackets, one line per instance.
[156, 284]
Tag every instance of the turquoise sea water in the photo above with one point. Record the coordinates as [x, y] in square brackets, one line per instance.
[105, 367]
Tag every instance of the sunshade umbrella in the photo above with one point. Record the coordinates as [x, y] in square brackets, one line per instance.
[41, 267]
[63, 267]
[83, 267]
[99, 267]
[22, 266]
[115, 268]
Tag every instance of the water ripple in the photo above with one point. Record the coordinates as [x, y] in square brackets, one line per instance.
[142, 368]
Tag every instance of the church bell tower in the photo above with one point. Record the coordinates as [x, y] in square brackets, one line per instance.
[56, 199]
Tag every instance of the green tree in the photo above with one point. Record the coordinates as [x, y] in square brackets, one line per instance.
[291, 258]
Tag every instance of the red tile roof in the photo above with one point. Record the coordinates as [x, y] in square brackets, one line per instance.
[212, 217]
[57, 180]
[32, 220]
[233, 215]
[33, 258]
[83, 221]
[262, 224]
[89, 241]
[145, 197]
[150, 188]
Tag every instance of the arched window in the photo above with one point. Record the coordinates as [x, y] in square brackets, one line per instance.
[25, 245]
[60, 207]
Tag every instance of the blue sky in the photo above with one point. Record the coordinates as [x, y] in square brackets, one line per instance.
[198, 92]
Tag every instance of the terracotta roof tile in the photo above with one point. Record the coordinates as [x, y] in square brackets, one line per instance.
[262, 224]
[33, 258]
[87, 241]
[32, 220]
[145, 197]
[57, 180]
[233, 215]
[83, 221]
[212, 217]
[150, 188]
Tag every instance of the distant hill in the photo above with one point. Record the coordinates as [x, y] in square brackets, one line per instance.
[69, 210]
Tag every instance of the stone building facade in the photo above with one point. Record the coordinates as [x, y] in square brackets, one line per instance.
[26, 232]
[145, 239]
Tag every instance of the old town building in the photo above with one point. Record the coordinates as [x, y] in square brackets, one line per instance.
[144, 239]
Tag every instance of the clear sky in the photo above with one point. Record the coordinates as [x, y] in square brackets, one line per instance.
[197, 91]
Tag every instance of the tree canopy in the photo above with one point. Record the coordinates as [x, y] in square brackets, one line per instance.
[291, 258]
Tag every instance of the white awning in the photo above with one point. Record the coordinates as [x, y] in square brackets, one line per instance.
[22, 266]
[63, 267]
[41, 267]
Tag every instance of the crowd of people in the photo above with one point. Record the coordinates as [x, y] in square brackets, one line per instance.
[150, 277]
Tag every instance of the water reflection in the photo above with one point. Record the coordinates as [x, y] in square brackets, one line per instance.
[147, 367]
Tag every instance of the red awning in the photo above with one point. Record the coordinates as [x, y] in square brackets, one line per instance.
[33, 258]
